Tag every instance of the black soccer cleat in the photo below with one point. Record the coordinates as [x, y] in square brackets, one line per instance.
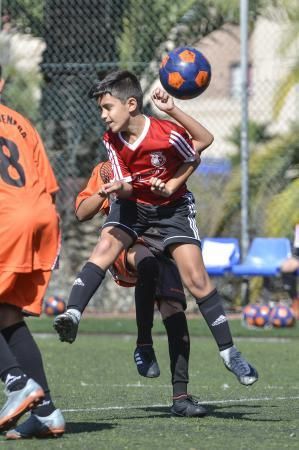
[66, 325]
[146, 362]
[187, 407]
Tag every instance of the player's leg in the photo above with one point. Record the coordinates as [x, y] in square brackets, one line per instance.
[29, 290]
[46, 419]
[175, 323]
[289, 275]
[193, 273]
[88, 280]
[172, 303]
[140, 259]
[21, 391]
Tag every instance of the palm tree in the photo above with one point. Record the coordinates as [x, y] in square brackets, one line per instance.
[288, 10]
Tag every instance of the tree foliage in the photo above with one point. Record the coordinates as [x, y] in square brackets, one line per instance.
[24, 15]
[148, 29]
[269, 187]
[287, 11]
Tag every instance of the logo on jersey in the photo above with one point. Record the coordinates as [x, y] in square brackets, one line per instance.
[158, 159]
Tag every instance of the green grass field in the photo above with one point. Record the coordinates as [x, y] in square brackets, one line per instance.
[107, 405]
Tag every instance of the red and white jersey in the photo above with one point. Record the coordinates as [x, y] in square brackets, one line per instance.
[159, 151]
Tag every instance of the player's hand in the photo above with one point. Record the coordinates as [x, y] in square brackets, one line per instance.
[159, 187]
[111, 188]
[162, 100]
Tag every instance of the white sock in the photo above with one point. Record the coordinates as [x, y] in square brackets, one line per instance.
[226, 354]
[75, 313]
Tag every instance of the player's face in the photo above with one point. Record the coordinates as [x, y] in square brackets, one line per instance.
[114, 113]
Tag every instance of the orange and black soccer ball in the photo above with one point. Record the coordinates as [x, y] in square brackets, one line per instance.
[54, 305]
[185, 73]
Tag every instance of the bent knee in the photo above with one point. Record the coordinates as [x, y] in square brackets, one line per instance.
[198, 284]
[169, 307]
[107, 244]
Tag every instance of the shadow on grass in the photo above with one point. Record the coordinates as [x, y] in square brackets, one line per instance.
[87, 427]
[215, 411]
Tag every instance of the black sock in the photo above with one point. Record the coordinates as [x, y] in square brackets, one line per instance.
[148, 273]
[9, 365]
[212, 311]
[27, 353]
[45, 407]
[14, 378]
[85, 285]
[179, 350]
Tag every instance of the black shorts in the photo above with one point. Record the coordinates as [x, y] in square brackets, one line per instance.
[169, 286]
[175, 222]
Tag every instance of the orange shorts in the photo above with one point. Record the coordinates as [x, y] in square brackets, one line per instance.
[25, 290]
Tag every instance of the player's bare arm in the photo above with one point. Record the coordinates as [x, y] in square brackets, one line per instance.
[181, 176]
[90, 206]
[201, 137]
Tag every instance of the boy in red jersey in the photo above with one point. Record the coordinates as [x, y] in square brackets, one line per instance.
[166, 289]
[145, 153]
[29, 230]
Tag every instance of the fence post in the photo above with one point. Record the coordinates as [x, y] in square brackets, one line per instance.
[244, 140]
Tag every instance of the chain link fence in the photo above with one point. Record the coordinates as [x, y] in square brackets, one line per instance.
[53, 50]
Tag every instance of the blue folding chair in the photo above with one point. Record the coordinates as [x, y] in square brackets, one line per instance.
[220, 254]
[264, 257]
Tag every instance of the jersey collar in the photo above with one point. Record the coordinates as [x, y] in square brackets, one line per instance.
[140, 138]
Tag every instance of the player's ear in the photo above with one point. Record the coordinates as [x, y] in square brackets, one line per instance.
[132, 104]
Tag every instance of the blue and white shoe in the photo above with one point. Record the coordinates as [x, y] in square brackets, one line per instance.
[146, 362]
[39, 427]
[236, 364]
[18, 402]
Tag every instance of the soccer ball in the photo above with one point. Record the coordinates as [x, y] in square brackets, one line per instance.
[185, 73]
[249, 314]
[281, 316]
[262, 317]
[54, 305]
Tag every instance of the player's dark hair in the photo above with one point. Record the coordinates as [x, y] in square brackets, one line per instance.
[0, 71]
[122, 84]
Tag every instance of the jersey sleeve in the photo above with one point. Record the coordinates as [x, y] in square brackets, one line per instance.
[93, 185]
[181, 141]
[119, 168]
[44, 168]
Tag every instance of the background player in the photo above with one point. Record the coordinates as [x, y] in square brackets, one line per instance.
[29, 230]
[289, 273]
[139, 149]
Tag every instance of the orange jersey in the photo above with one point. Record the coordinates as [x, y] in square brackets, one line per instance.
[29, 228]
[93, 185]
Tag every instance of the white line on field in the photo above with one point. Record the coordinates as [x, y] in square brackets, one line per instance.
[265, 339]
[155, 386]
[211, 402]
